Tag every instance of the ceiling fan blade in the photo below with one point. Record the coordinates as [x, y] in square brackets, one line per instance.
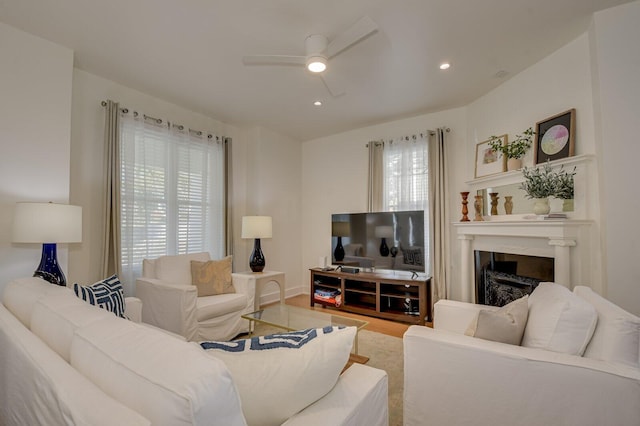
[332, 84]
[361, 29]
[273, 60]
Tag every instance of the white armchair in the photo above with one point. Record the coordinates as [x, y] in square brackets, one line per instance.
[171, 302]
[454, 379]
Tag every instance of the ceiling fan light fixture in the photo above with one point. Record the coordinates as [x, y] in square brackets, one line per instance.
[316, 64]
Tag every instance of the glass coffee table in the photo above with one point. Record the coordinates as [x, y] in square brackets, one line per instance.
[292, 318]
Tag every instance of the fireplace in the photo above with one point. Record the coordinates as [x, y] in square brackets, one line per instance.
[567, 242]
[502, 277]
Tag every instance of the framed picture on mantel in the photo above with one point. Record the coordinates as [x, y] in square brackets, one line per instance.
[555, 137]
[488, 160]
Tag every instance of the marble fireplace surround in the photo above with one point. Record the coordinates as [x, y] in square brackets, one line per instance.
[566, 241]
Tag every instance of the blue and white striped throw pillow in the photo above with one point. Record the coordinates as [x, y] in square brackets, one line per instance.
[107, 294]
[296, 369]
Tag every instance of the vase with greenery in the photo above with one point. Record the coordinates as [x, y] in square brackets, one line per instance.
[564, 188]
[514, 150]
[539, 184]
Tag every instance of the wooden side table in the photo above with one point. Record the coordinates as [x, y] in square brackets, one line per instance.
[263, 278]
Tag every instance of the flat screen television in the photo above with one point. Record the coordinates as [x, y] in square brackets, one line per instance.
[380, 240]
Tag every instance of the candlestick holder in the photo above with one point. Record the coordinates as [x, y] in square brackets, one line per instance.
[494, 203]
[465, 210]
[478, 206]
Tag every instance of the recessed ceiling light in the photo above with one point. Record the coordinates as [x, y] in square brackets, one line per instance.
[317, 103]
[445, 66]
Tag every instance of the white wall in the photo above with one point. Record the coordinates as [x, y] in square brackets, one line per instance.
[35, 127]
[334, 175]
[616, 64]
[272, 188]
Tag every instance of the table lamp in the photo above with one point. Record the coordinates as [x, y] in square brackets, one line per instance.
[340, 229]
[48, 224]
[256, 227]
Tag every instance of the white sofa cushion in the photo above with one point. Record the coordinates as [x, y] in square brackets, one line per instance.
[56, 318]
[214, 306]
[505, 325]
[559, 320]
[281, 374]
[617, 334]
[21, 295]
[168, 381]
[38, 387]
[177, 269]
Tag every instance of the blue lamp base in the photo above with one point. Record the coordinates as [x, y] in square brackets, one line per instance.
[49, 269]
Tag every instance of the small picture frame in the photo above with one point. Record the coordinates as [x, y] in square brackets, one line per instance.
[489, 161]
[555, 137]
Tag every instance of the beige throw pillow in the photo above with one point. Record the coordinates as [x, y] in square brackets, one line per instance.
[212, 277]
[506, 325]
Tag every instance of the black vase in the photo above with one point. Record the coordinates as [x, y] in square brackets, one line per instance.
[338, 253]
[256, 261]
[384, 249]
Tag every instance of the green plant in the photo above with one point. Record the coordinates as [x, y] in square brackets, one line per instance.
[543, 182]
[538, 182]
[564, 184]
[515, 149]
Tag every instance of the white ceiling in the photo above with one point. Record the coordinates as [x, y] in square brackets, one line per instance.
[190, 52]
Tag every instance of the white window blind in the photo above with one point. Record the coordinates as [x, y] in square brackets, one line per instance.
[405, 176]
[171, 193]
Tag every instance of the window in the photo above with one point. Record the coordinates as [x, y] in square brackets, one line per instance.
[405, 174]
[405, 178]
[171, 193]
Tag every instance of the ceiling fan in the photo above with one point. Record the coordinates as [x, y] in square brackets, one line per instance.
[318, 52]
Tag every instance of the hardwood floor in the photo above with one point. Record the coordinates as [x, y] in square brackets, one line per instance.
[390, 328]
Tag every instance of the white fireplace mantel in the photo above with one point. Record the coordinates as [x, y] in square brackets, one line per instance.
[566, 241]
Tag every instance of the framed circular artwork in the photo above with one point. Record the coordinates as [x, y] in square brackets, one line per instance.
[555, 137]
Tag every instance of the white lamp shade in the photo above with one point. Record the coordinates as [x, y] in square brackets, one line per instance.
[47, 223]
[256, 227]
[340, 229]
[384, 231]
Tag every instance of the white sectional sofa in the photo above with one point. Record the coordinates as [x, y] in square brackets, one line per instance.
[65, 362]
[455, 379]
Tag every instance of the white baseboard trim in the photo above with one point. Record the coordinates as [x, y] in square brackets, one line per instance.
[274, 296]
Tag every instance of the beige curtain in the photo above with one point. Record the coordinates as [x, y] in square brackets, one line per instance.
[438, 213]
[111, 263]
[375, 183]
[228, 186]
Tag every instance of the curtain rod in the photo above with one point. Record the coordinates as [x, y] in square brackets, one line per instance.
[415, 136]
[160, 121]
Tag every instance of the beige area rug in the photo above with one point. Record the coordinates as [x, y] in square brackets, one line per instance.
[384, 352]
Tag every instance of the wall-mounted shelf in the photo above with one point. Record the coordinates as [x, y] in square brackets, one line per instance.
[515, 176]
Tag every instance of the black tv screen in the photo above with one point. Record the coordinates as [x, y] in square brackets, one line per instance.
[380, 240]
